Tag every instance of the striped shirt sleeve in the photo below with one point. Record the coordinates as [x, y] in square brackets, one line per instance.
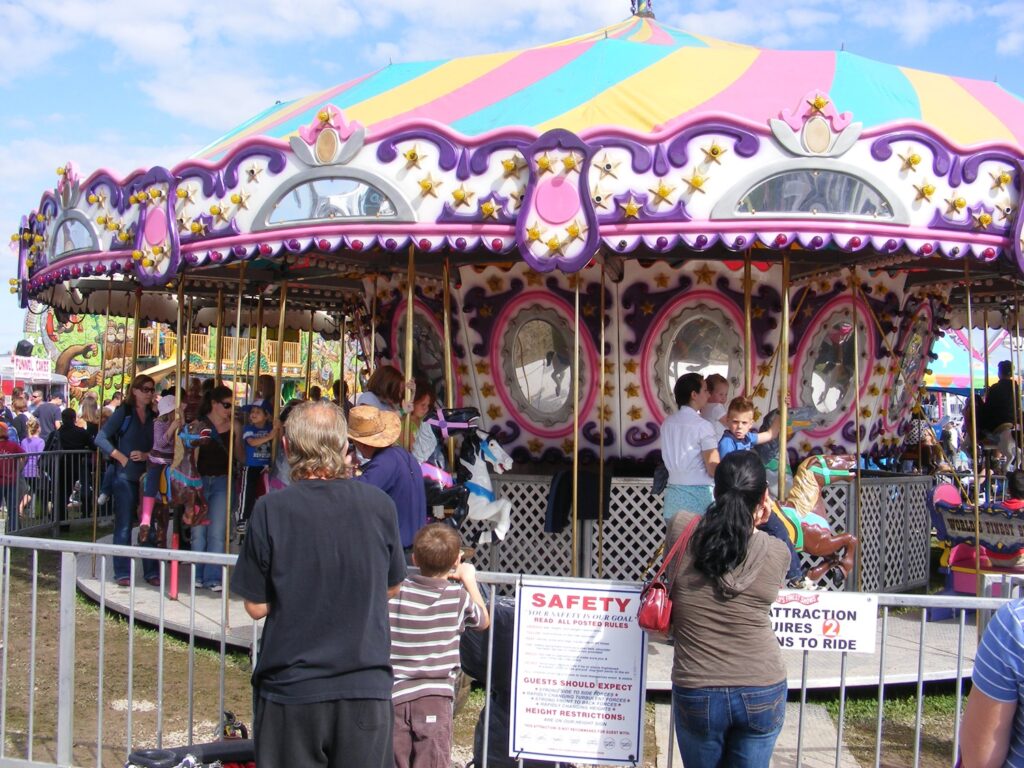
[999, 663]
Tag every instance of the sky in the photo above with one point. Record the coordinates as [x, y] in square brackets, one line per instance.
[122, 84]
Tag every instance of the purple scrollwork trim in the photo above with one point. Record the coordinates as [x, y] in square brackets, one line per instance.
[212, 181]
[881, 149]
[592, 434]
[636, 319]
[277, 161]
[448, 156]
[155, 175]
[480, 160]
[939, 221]
[745, 144]
[640, 155]
[506, 434]
[638, 437]
[117, 195]
[483, 322]
[1018, 224]
[968, 171]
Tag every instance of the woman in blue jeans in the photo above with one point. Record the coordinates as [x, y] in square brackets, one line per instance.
[126, 439]
[728, 677]
[215, 414]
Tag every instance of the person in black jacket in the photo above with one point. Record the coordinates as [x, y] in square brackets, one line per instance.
[72, 465]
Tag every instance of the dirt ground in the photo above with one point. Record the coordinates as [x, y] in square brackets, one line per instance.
[31, 681]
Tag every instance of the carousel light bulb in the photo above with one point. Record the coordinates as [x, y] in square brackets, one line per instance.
[93, 199]
[15, 237]
[180, 193]
[236, 198]
[155, 194]
[215, 210]
[196, 227]
[61, 171]
[147, 262]
[158, 249]
[101, 220]
[136, 255]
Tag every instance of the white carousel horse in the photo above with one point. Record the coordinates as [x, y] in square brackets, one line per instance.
[480, 450]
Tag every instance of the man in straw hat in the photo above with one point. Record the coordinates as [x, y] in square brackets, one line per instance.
[390, 467]
[320, 560]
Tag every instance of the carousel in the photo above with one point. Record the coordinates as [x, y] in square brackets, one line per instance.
[553, 235]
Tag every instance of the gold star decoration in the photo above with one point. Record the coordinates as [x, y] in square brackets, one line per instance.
[662, 193]
[575, 231]
[630, 208]
[982, 220]
[818, 103]
[589, 310]
[1001, 179]
[696, 183]
[513, 165]
[824, 286]
[760, 390]
[879, 370]
[647, 308]
[495, 283]
[924, 192]
[534, 233]
[463, 369]
[1006, 211]
[607, 167]
[704, 275]
[606, 413]
[632, 390]
[873, 390]
[517, 195]
[486, 310]
[635, 413]
[252, 173]
[483, 367]
[570, 163]
[429, 185]
[807, 312]
[599, 197]
[489, 209]
[764, 369]
[555, 245]
[533, 278]
[910, 161]
[567, 445]
[630, 366]
[757, 312]
[462, 196]
[545, 164]
[661, 280]
[494, 411]
[574, 280]
[487, 389]
[413, 158]
[713, 154]
[865, 413]
[609, 367]
[955, 204]
[534, 445]
[241, 200]
[609, 389]
[184, 223]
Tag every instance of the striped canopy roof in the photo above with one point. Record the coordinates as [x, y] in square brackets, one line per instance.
[641, 75]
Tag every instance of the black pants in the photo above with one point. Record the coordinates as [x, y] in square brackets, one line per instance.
[348, 732]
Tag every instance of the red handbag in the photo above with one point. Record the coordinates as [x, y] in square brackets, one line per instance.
[655, 611]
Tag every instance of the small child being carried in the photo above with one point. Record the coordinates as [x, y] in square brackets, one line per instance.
[739, 435]
[429, 613]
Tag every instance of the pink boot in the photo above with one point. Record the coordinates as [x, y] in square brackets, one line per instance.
[148, 502]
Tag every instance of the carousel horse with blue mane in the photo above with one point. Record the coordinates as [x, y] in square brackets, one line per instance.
[480, 453]
[179, 485]
[441, 487]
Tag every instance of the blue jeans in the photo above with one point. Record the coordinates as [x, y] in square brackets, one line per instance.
[126, 501]
[210, 538]
[728, 727]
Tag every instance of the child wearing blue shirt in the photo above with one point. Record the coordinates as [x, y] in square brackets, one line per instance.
[741, 436]
[257, 437]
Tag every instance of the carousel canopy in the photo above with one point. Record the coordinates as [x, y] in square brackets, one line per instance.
[643, 76]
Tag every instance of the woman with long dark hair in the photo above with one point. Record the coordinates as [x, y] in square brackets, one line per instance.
[126, 438]
[728, 677]
[215, 415]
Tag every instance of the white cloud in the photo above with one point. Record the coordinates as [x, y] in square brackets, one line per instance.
[1010, 17]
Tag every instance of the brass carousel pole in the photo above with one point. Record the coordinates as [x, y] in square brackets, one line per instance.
[309, 353]
[124, 355]
[232, 431]
[984, 387]
[342, 329]
[187, 347]
[449, 373]
[259, 346]
[371, 363]
[854, 281]
[100, 388]
[407, 364]
[136, 333]
[748, 332]
[1018, 418]
[219, 358]
[784, 379]
[974, 430]
[278, 384]
[600, 424]
[576, 427]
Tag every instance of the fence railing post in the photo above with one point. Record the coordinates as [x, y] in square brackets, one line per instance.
[66, 660]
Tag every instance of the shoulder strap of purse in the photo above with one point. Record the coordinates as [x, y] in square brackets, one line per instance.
[678, 547]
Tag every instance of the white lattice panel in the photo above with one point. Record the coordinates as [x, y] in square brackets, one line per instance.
[919, 539]
[633, 530]
[870, 533]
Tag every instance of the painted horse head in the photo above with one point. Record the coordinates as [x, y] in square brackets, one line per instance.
[479, 444]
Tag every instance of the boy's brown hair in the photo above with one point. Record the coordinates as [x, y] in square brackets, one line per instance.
[436, 548]
[741, 405]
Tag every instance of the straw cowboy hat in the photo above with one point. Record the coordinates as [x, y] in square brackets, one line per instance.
[372, 426]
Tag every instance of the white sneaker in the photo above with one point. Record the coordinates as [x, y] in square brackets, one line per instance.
[216, 588]
[102, 499]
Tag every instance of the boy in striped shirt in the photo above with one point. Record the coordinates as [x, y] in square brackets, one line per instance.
[430, 612]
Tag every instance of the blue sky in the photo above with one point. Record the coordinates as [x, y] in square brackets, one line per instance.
[122, 83]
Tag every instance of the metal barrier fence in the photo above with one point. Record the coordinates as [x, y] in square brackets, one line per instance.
[80, 689]
[40, 491]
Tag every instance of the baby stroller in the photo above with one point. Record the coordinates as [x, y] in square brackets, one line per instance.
[236, 750]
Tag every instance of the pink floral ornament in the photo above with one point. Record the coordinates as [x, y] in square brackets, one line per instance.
[328, 116]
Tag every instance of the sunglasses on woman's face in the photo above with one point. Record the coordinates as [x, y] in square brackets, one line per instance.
[225, 404]
[150, 390]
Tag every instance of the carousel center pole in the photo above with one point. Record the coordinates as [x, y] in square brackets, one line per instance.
[748, 331]
[784, 379]
[576, 426]
[974, 431]
[601, 425]
[407, 364]
[219, 357]
[449, 373]
[278, 384]
[854, 285]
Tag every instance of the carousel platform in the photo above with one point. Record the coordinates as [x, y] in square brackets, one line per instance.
[823, 669]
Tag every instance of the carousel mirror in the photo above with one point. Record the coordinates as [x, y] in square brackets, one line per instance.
[699, 339]
[912, 360]
[537, 364]
[72, 235]
[331, 198]
[815, 191]
[828, 385]
[427, 352]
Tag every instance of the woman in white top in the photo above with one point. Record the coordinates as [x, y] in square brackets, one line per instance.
[689, 448]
